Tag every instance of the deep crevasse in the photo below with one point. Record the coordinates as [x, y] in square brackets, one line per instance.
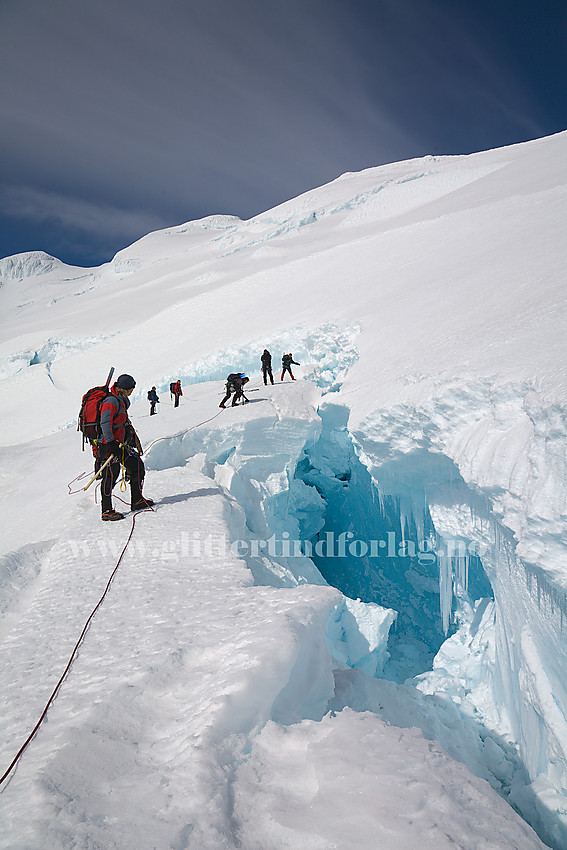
[497, 678]
[505, 663]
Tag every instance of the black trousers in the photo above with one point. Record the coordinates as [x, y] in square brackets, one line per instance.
[287, 369]
[238, 394]
[176, 400]
[267, 373]
[152, 407]
[135, 472]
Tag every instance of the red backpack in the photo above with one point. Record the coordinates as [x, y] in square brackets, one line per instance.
[89, 414]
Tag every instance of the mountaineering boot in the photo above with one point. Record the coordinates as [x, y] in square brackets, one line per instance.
[221, 405]
[142, 504]
[111, 516]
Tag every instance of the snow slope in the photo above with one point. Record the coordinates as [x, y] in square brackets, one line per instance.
[225, 695]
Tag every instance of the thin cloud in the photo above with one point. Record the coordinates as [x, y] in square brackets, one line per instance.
[97, 219]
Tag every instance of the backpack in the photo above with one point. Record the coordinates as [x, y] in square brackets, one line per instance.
[172, 387]
[89, 414]
[235, 379]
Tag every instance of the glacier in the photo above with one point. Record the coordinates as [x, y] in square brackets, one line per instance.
[344, 621]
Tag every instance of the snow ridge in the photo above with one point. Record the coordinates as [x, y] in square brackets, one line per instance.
[34, 264]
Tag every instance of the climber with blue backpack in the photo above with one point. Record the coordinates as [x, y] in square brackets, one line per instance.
[153, 399]
[235, 384]
[287, 360]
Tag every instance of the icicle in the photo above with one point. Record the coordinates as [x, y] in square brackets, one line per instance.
[418, 514]
[381, 505]
[496, 539]
[402, 527]
[462, 571]
[445, 590]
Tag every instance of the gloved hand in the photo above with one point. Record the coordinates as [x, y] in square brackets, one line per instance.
[114, 448]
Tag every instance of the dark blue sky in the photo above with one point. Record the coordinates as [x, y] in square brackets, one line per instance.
[124, 116]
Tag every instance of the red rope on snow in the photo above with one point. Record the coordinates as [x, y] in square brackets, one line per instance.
[63, 676]
[71, 659]
[181, 433]
[167, 437]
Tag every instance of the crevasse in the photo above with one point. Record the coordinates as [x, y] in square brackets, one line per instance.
[440, 618]
[476, 624]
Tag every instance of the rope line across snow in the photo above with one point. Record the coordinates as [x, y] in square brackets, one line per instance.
[166, 437]
[71, 659]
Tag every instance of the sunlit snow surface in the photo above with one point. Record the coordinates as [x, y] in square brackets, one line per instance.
[226, 695]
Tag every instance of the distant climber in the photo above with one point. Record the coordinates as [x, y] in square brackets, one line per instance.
[153, 399]
[235, 384]
[267, 367]
[176, 391]
[119, 440]
[287, 360]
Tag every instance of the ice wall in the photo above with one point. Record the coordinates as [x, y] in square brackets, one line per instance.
[438, 597]
[385, 546]
[254, 459]
[439, 602]
[505, 658]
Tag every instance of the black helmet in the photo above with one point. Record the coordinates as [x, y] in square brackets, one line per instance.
[125, 382]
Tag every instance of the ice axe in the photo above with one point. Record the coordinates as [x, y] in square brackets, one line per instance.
[97, 474]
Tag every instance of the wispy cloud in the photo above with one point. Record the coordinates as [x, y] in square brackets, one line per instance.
[97, 219]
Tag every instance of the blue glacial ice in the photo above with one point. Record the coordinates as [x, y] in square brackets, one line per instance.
[442, 625]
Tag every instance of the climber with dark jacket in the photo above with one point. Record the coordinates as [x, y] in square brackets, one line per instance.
[153, 399]
[119, 440]
[287, 360]
[266, 359]
[235, 384]
[177, 392]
